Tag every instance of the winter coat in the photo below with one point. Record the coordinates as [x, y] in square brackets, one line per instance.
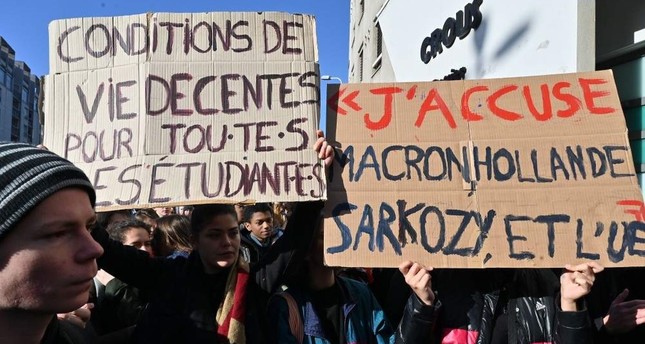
[469, 299]
[363, 320]
[251, 250]
[121, 306]
[183, 299]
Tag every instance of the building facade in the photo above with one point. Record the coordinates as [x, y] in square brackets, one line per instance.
[620, 38]
[601, 34]
[368, 57]
[19, 93]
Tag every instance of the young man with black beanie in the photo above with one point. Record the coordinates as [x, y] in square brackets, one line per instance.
[47, 255]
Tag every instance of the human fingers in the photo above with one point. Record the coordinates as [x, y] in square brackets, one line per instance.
[329, 156]
[415, 274]
[318, 144]
[84, 313]
[582, 279]
[70, 317]
[404, 267]
[323, 150]
[633, 305]
[421, 276]
[588, 266]
[621, 297]
[418, 278]
[640, 313]
[423, 279]
[414, 269]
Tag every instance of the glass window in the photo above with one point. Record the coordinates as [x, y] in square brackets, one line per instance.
[25, 95]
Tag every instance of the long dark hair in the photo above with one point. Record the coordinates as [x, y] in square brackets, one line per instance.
[172, 234]
[205, 213]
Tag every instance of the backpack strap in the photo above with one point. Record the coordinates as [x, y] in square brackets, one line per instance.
[295, 320]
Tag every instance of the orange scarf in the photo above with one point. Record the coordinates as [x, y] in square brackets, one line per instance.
[231, 313]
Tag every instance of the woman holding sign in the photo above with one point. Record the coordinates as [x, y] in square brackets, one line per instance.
[213, 296]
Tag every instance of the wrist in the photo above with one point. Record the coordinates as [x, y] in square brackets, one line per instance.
[568, 305]
[430, 299]
[427, 300]
[605, 322]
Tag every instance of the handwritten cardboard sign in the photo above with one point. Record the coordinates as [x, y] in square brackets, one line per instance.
[522, 172]
[187, 108]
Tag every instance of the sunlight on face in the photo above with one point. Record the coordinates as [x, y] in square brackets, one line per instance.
[48, 260]
[139, 238]
[218, 243]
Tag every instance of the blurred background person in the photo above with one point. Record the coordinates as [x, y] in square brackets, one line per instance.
[148, 216]
[281, 213]
[164, 211]
[185, 211]
[104, 219]
[172, 237]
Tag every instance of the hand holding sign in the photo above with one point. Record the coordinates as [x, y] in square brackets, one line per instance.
[576, 282]
[227, 118]
[324, 150]
[418, 278]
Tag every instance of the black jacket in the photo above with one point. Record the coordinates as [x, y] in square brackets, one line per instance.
[468, 300]
[253, 252]
[184, 299]
[64, 332]
[120, 307]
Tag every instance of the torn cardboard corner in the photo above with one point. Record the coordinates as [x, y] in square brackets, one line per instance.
[172, 109]
[519, 172]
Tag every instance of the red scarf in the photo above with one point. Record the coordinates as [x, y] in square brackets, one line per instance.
[231, 313]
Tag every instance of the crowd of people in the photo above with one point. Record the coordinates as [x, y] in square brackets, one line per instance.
[255, 273]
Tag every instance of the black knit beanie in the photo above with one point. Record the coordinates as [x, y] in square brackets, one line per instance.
[28, 175]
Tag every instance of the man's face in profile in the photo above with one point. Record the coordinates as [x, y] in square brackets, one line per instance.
[48, 260]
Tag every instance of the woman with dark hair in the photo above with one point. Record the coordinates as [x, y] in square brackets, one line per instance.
[213, 296]
[172, 237]
[107, 218]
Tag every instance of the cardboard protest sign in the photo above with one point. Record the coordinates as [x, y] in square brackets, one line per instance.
[187, 108]
[519, 172]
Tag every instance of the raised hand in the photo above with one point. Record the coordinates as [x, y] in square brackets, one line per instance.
[576, 282]
[624, 316]
[418, 278]
[324, 150]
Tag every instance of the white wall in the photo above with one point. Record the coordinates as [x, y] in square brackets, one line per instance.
[515, 38]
